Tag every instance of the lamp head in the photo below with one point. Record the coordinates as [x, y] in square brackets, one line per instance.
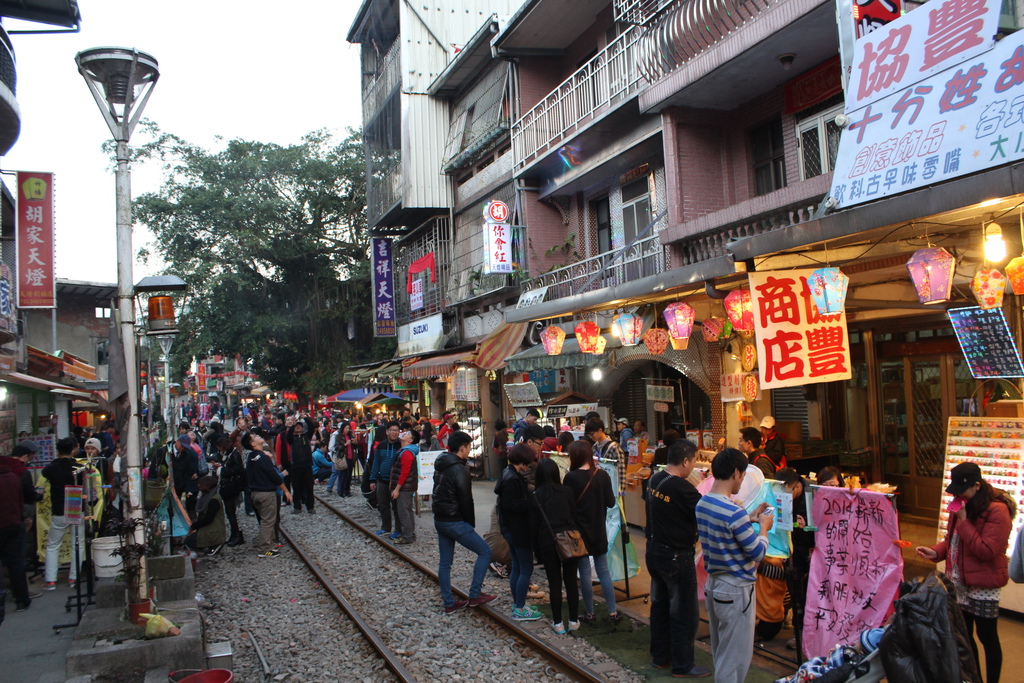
[118, 70]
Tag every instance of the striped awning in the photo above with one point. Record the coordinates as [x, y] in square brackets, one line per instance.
[501, 343]
[437, 366]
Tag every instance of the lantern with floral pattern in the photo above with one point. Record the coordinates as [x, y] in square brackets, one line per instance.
[988, 286]
[828, 289]
[656, 340]
[587, 333]
[713, 328]
[740, 309]
[931, 270]
[628, 327]
[600, 345]
[679, 318]
[1015, 274]
[552, 338]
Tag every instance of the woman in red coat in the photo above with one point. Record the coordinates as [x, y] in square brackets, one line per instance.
[977, 535]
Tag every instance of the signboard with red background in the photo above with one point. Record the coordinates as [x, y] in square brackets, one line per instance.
[34, 242]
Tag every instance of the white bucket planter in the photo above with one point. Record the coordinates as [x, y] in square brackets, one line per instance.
[105, 563]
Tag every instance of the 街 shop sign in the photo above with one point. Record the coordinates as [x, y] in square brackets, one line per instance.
[384, 322]
[856, 567]
[795, 344]
[931, 97]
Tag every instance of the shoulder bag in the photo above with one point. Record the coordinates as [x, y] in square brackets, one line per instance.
[569, 543]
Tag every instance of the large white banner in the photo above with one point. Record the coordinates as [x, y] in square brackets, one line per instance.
[795, 344]
[922, 110]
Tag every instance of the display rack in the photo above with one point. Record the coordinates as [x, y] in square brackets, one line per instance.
[996, 444]
[475, 463]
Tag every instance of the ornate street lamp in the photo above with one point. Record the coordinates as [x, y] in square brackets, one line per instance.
[121, 81]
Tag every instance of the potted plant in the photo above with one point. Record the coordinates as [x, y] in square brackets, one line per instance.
[131, 554]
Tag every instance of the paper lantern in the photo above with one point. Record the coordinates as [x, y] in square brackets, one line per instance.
[600, 345]
[679, 318]
[713, 328]
[1015, 274]
[656, 340]
[679, 343]
[828, 289]
[552, 338]
[931, 270]
[988, 286]
[628, 327]
[740, 309]
[587, 333]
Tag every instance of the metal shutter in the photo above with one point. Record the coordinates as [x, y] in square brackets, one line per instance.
[24, 414]
[630, 401]
[63, 412]
[789, 405]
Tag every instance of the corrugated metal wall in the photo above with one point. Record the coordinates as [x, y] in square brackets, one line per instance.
[424, 133]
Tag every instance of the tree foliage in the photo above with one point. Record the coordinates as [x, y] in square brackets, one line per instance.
[273, 243]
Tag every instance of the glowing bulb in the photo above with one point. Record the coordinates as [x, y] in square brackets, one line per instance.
[995, 247]
[596, 374]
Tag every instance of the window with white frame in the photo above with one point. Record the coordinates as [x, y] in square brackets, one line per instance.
[818, 139]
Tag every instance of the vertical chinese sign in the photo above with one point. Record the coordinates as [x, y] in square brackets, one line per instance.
[856, 567]
[795, 344]
[497, 238]
[36, 284]
[384, 318]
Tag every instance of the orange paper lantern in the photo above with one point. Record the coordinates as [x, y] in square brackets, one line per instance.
[552, 338]
[988, 286]
[587, 333]
[656, 340]
[1015, 274]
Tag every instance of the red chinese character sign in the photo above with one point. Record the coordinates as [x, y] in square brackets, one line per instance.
[856, 567]
[871, 15]
[36, 280]
[497, 238]
[795, 343]
[932, 97]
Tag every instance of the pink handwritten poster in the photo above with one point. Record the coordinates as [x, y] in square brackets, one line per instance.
[856, 567]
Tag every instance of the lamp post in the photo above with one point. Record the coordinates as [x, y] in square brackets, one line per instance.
[166, 341]
[121, 81]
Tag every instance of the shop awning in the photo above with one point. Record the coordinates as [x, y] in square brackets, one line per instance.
[437, 366]
[43, 384]
[351, 396]
[501, 343]
[535, 358]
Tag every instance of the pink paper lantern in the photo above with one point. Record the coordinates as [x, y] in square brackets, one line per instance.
[628, 327]
[1015, 274]
[587, 333]
[988, 286]
[552, 338]
[828, 289]
[679, 318]
[740, 309]
[931, 270]
[656, 340]
[713, 328]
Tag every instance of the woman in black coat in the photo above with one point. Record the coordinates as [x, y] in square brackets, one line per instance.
[554, 510]
[514, 520]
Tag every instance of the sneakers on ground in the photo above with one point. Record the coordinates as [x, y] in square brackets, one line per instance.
[402, 540]
[459, 604]
[210, 552]
[558, 628]
[791, 643]
[296, 511]
[22, 606]
[311, 511]
[481, 599]
[50, 586]
[534, 610]
[499, 569]
[574, 625]
[524, 614]
[615, 618]
[394, 536]
[72, 583]
[382, 532]
[269, 553]
[588, 618]
[695, 672]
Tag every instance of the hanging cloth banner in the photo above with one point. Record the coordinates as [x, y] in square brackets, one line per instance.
[856, 567]
[622, 560]
[418, 266]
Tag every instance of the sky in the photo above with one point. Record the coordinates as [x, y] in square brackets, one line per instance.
[228, 68]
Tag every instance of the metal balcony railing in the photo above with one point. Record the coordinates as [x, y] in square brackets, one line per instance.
[377, 91]
[645, 258]
[611, 77]
[639, 11]
[384, 186]
[8, 71]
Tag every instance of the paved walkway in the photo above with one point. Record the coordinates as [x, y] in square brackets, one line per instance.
[32, 651]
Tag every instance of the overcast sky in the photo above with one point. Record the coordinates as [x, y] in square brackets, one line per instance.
[229, 68]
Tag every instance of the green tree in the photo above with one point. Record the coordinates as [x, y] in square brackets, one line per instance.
[273, 243]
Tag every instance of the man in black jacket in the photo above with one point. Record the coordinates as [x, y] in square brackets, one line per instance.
[15, 490]
[233, 484]
[454, 520]
[301, 468]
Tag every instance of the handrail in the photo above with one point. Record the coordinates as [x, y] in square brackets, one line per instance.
[376, 92]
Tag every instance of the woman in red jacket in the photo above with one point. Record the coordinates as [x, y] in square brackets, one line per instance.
[977, 535]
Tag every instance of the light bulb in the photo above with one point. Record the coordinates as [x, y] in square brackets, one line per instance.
[596, 374]
[995, 247]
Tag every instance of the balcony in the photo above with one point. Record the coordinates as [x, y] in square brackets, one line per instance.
[383, 184]
[467, 280]
[378, 90]
[434, 237]
[639, 11]
[10, 112]
[645, 258]
[608, 80]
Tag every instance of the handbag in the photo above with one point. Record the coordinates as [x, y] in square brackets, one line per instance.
[569, 543]
[340, 464]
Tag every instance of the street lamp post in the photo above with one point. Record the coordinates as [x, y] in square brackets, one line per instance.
[121, 81]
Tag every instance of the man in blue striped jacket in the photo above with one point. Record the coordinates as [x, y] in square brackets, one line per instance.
[732, 550]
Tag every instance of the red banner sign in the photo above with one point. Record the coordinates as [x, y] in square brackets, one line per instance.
[34, 242]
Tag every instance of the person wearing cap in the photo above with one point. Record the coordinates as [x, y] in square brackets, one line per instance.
[772, 443]
[625, 432]
[980, 519]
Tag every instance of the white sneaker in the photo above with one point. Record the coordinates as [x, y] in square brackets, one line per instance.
[558, 628]
[574, 625]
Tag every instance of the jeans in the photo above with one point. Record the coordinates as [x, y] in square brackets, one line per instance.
[731, 613]
[58, 527]
[448, 534]
[674, 610]
[335, 477]
[607, 585]
[522, 569]
[12, 555]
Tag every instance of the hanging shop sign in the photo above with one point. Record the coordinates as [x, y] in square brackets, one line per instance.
[421, 336]
[873, 15]
[465, 386]
[523, 395]
[661, 407]
[986, 341]
[550, 381]
[531, 297]
[665, 393]
[416, 295]
[384, 317]
[37, 287]
[735, 386]
[856, 569]
[929, 102]
[425, 461]
[795, 343]
[497, 238]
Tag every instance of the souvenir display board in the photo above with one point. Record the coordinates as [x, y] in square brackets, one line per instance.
[996, 445]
